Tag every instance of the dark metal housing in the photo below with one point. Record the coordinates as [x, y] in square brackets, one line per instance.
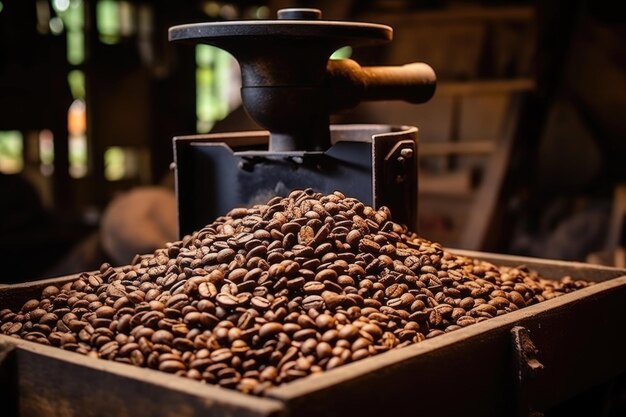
[216, 173]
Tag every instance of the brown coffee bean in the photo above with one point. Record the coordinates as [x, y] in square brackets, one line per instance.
[221, 355]
[467, 303]
[435, 318]
[304, 334]
[315, 302]
[373, 330]
[360, 343]
[465, 321]
[171, 366]
[457, 313]
[485, 309]
[162, 337]
[333, 300]
[360, 354]
[326, 275]
[268, 374]
[313, 287]
[368, 245]
[49, 319]
[270, 329]
[323, 350]
[499, 302]
[306, 235]
[226, 255]
[303, 364]
[334, 362]
[517, 299]
[353, 238]
[30, 305]
[260, 303]
[227, 300]
[324, 321]
[348, 332]
[49, 292]
[11, 328]
[237, 275]
[105, 312]
[177, 301]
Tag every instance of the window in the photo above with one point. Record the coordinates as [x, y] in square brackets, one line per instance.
[11, 152]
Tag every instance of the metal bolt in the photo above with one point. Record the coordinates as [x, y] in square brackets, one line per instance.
[407, 153]
[245, 165]
[299, 14]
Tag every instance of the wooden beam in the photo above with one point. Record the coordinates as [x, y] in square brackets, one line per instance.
[454, 15]
[447, 89]
[482, 147]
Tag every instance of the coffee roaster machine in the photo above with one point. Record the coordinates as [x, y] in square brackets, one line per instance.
[524, 363]
[290, 87]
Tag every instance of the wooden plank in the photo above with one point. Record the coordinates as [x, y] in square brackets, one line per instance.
[54, 382]
[549, 268]
[618, 218]
[515, 85]
[487, 196]
[13, 296]
[8, 380]
[467, 147]
[452, 183]
[453, 15]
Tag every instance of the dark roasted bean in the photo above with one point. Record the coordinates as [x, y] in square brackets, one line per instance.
[270, 329]
[348, 332]
[227, 300]
[171, 366]
[313, 287]
[315, 302]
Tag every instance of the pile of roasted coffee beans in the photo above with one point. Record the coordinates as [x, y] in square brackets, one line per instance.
[276, 292]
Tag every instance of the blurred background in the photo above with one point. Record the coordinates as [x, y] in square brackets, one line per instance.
[522, 150]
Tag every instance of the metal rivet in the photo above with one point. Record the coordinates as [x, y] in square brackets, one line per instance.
[407, 153]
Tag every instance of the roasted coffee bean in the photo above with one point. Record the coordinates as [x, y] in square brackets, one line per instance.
[315, 302]
[314, 287]
[270, 329]
[238, 275]
[373, 330]
[171, 366]
[464, 321]
[105, 312]
[324, 321]
[227, 300]
[260, 303]
[50, 318]
[369, 245]
[30, 305]
[162, 337]
[304, 334]
[11, 328]
[517, 299]
[271, 293]
[334, 362]
[49, 292]
[348, 332]
[326, 275]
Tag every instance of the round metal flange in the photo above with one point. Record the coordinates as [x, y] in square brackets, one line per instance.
[293, 24]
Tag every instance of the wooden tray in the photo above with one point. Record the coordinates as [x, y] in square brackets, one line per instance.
[478, 370]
